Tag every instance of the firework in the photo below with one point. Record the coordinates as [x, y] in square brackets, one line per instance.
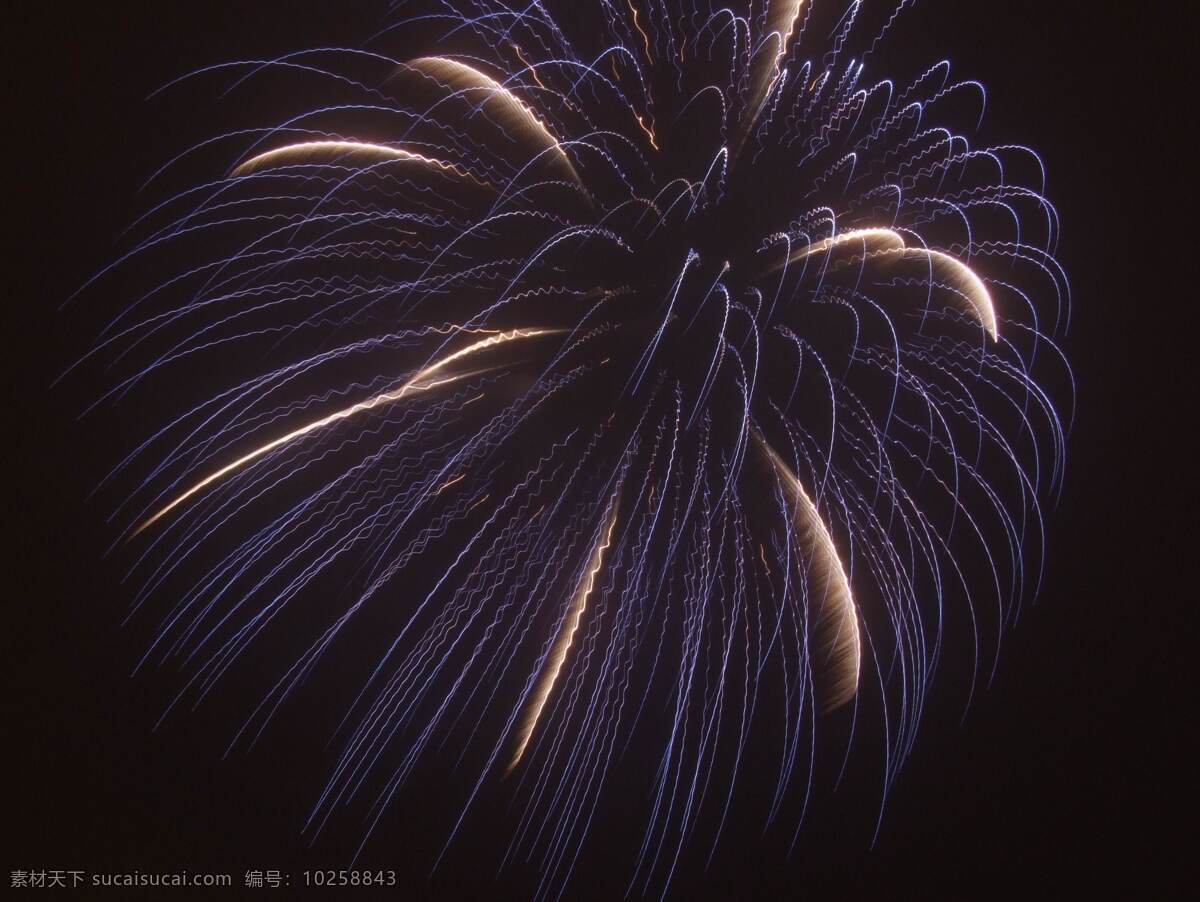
[597, 373]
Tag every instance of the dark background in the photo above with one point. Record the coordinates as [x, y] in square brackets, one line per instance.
[1072, 773]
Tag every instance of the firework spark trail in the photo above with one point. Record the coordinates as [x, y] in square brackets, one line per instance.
[463, 79]
[558, 652]
[308, 151]
[755, 420]
[418, 382]
[831, 587]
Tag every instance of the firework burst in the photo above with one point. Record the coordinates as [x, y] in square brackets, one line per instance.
[598, 373]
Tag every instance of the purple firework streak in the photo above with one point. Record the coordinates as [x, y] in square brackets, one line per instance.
[629, 371]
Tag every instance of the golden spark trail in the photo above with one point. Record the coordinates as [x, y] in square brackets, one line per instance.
[781, 22]
[446, 485]
[461, 77]
[887, 246]
[638, 26]
[883, 238]
[649, 131]
[333, 149]
[530, 66]
[837, 615]
[415, 384]
[558, 653]
[973, 287]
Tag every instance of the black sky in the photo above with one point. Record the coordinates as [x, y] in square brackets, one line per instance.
[1073, 772]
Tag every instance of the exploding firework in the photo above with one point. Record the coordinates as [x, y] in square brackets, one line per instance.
[595, 374]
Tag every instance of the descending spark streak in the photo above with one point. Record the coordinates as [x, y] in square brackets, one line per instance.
[309, 149]
[558, 653]
[781, 22]
[461, 77]
[649, 131]
[976, 292]
[884, 238]
[837, 618]
[641, 31]
[786, 11]
[528, 65]
[414, 384]
[888, 246]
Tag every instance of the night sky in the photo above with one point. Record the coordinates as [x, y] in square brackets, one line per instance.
[1069, 772]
